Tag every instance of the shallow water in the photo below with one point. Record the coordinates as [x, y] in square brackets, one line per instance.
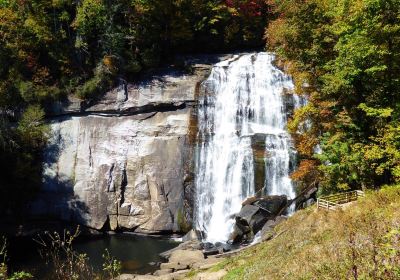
[135, 252]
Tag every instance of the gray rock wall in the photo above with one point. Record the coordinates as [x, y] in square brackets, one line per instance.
[124, 162]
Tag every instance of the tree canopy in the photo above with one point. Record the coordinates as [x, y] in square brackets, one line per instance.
[345, 58]
[52, 48]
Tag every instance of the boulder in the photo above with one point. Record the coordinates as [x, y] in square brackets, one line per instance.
[309, 202]
[211, 251]
[237, 234]
[217, 248]
[246, 214]
[269, 225]
[186, 257]
[207, 245]
[272, 204]
[249, 200]
[254, 214]
[173, 266]
[267, 231]
[279, 220]
[258, 221]
[192, 235]
[177, 275]
[136, 277]
[210, 275]
[162, 272]
[193, 245]
[307, 198]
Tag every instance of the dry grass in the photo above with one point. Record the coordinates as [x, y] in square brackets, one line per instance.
[362, 242]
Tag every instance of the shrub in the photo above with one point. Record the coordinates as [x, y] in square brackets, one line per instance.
[58, 251]
[111, 266]
[98, 85]
[4, 273]
[67, 263]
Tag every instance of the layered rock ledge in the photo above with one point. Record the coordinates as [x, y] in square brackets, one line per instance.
[125, 162]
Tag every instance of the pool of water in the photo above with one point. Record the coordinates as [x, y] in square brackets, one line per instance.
[138, 254]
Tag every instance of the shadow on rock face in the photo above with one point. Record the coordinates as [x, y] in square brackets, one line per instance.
[57, 200]
[60, 205]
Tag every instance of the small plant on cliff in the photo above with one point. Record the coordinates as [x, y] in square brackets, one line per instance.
[182, 222]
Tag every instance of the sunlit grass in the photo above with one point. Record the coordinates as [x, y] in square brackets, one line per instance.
[361, 242]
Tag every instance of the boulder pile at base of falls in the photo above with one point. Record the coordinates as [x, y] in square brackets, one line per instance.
[254, 215]
[261, 214]
[125, 161]
[257, 215]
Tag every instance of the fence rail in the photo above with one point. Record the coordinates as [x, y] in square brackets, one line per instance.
[332, 202]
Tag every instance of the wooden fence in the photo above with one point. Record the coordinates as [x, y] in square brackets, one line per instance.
[332, 202]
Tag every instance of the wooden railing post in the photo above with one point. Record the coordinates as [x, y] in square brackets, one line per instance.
[331, 201]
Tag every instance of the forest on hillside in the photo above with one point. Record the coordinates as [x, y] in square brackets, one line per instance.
[51, 49]
[344, 57]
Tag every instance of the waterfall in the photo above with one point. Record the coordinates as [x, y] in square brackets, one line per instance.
[242, 138]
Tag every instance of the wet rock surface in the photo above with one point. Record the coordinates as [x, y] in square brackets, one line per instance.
[193, 245]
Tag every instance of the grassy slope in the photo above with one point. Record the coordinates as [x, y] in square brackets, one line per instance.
[361, 242]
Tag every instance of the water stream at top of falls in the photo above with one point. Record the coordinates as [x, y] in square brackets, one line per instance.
[242, 113]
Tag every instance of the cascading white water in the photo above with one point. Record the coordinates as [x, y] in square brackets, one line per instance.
[243, 97]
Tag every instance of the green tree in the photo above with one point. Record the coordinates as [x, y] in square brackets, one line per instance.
[344, 56]
[20, 159]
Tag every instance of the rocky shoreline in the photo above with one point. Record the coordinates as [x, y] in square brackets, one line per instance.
[191, 259]
[194, 258]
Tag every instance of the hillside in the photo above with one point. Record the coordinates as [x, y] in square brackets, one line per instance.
[361, 242]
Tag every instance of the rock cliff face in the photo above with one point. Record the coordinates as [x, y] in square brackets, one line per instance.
[125, 162]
